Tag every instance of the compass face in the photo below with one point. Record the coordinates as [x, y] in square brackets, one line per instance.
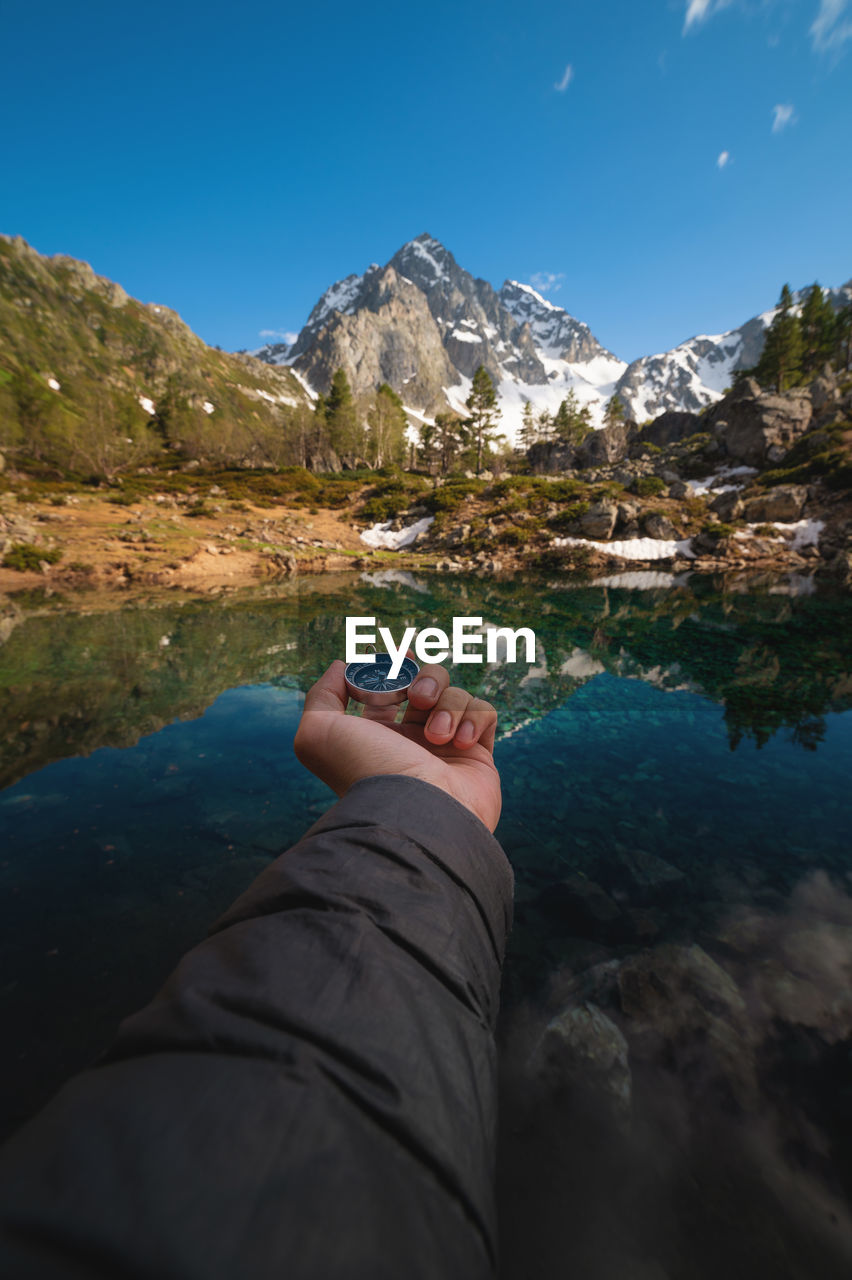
[371, 682]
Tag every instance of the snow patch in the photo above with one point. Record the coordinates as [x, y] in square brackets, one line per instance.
[383, 537]
[53, 384]
[147, 404]
[208, 407]
[635, 548]
[805, 533]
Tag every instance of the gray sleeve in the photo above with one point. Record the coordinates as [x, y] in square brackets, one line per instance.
[313, 1093]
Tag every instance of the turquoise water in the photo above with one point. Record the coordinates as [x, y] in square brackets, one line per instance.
[676, 770]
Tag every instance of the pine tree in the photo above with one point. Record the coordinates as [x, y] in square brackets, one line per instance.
[843, 338]
[528, 434]
[573, 420]
[387, 428]
[614, 411]
[345, 434]
[818, 330]
[442, 442]
[780, 364]
[545, 425]
[484, 413]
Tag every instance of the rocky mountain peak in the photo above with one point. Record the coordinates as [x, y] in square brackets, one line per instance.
[556, 333]
[425, 261]
[424, 324]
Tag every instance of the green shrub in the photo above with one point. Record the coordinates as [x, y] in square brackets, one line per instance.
[647, 486]
[564, 490]
[575, 559]
[820, 454]
[27, 558]
[452, 495]
[717, 530]
[564, 519]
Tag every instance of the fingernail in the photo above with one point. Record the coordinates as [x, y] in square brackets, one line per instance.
[466, 731]
[425, 688]
[441, 724]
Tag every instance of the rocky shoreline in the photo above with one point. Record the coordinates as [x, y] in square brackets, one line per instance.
[758, 482]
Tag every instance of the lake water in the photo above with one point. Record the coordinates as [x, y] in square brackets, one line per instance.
[677, 802]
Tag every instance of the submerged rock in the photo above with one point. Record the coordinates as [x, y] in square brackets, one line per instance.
[583, 1051]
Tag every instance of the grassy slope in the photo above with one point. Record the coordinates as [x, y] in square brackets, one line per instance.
[59, 320]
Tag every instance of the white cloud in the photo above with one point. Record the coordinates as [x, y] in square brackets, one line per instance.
[547, 281]
[567, 77]
[783, 114]
[830, 28]
[724, 157]
[283, 336]
[700, 10]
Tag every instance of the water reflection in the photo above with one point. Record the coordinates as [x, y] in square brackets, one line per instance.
[677, 1038]
[73, 681]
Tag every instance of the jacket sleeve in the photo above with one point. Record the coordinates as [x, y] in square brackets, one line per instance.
[313, 1092]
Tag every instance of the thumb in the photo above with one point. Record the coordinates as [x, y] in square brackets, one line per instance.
[328, 694]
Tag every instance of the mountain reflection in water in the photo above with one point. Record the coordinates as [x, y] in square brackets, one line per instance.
[677, 1029]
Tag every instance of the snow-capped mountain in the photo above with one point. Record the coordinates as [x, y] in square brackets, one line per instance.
[424, 325]
[699, 371]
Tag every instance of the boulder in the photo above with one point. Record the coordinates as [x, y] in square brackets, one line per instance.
[604, 446]
[686, 1013]
[628, 518]
[728, 506]
[757, 429]
[783, 503]
[583, 1051]
[551, 455]
[824, 390]
[657, 525]
[681, 489]
[599, 521]
[670, 427]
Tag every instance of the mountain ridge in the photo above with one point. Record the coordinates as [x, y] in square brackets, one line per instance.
[533, 349]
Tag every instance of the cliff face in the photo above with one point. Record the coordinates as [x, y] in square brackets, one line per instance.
[390, 337]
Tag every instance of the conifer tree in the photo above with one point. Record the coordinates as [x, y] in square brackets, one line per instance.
[843, 338]
[442, 442]
[528, 434]
[545, 425]
[484, 413]
[387, 428]
[780, 364]
[818, 328]
[614, 411]
[573, 421]
[345, 434]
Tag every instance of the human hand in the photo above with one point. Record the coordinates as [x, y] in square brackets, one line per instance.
[446, 737]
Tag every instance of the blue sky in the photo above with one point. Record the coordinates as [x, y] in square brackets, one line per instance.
[661, 168]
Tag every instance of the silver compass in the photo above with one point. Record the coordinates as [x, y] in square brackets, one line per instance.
[373, 684]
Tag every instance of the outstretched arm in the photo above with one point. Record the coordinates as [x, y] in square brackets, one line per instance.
[312, 1094]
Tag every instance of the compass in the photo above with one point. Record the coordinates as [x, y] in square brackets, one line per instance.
[372, 683]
